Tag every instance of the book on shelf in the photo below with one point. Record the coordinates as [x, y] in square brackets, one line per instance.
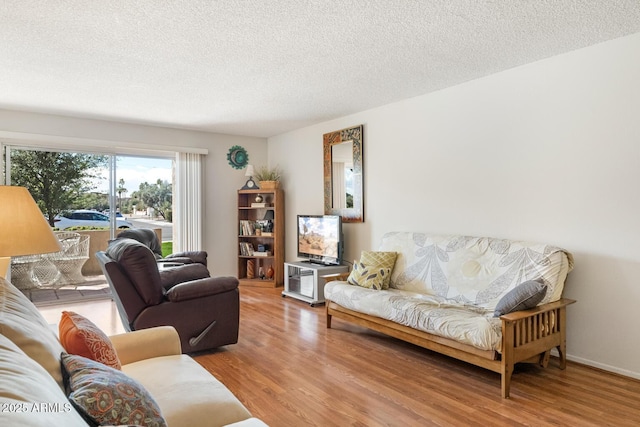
[246, 249]
[267, 234]
[260, 205]
[265, 253]
[247, 227]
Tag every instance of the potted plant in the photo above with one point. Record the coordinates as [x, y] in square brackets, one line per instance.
[269, 178]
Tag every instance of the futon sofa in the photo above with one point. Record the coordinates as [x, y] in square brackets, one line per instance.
[487, 301]
[31, 384]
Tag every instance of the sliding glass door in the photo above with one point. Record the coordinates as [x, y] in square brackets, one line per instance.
[86, 197]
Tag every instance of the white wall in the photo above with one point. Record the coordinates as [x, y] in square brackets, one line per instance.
[221, 181]
[548, 152]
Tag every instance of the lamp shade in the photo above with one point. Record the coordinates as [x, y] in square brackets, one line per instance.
[250, 171]
[23, 228]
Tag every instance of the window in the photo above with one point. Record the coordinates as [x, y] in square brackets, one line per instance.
[186, 164]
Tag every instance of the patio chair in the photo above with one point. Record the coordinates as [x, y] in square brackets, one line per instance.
[69, 261]
[55, 269]
[32, 272]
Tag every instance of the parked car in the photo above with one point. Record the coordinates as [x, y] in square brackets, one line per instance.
[118, 214]
[87, 218]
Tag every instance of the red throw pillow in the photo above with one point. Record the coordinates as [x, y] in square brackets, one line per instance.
[80, 336]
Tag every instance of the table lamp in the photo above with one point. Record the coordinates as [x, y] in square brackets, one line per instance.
[23, 228]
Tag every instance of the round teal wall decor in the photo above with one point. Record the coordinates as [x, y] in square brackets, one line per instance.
[237, 157]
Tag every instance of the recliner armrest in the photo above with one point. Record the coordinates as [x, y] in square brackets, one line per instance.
[176, 260]
[146, 344]
[201, 288]
[182, 273]
[195, 256]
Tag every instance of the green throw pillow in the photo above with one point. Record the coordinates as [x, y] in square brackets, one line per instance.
[380, 260]
[372, 277]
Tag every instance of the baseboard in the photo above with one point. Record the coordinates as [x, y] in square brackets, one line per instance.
[604, 367]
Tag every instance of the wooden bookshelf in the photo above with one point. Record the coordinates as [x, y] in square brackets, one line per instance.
[250, 240]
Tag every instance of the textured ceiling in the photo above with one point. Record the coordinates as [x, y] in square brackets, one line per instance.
[261, 68]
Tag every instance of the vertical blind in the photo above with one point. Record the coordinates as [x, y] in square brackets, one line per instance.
[188, 196]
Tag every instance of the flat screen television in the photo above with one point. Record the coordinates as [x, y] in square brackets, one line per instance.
[320, 238]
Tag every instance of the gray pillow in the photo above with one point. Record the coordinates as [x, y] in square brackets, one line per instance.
[524, 296]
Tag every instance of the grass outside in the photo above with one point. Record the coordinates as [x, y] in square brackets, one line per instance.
[167, 248]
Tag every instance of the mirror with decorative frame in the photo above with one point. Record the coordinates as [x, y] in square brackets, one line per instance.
[343, 174]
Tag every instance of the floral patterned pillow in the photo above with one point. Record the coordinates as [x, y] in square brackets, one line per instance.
[81, 336]
[366, 276]
[377, 266]
[106, 396]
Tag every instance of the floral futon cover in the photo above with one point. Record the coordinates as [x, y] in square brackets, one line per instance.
[449, 285]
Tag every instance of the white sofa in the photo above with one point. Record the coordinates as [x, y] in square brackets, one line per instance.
[31, 391]
[444, 291]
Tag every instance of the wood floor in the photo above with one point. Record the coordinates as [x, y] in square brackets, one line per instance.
[289, 370]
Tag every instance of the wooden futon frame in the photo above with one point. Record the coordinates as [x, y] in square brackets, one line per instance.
[527, 336]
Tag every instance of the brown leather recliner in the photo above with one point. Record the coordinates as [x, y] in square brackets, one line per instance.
[204, 310]
[149, 238]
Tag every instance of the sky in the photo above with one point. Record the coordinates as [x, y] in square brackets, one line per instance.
[136, 170]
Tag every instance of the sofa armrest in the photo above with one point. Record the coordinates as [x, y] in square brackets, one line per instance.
[146, 344]
[533, 333]
[522, 314]
[335, 277]
[201, 288]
